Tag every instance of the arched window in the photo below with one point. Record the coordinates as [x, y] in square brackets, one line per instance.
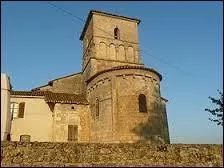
[97, 108]
[116, 33]
[142, 103]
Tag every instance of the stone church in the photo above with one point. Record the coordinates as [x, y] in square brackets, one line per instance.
[114, 98]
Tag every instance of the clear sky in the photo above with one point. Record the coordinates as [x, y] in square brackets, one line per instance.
[181, 40]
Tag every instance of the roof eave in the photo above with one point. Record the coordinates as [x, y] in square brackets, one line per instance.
[66, 102]
[122, 68]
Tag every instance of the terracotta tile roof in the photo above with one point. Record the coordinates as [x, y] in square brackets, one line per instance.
[125, 67]
[27, 93]
[104, 13]
[54, 97]
[65, 98]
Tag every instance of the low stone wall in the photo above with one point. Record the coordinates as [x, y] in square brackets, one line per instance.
[99, 154]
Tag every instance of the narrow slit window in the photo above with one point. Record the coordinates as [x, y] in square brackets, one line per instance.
[97, 108]
[116, 33]
[142, 103]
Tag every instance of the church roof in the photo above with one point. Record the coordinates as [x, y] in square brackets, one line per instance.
[63, 77]
[65, 98]
[105, 14]
[124, 67]
[51, 97]
[27, 93]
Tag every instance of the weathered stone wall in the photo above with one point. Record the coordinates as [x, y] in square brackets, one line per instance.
[103, 50]
[128, 29]
[122, 51]
[71, 84]
[121, 154]
[165, 121]
[118, 92]
[101, 126]
[71, 114]
[98, 65]
[118, 50]
[136, 125]
[87, 43]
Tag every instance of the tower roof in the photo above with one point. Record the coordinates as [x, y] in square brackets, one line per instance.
[104, 14]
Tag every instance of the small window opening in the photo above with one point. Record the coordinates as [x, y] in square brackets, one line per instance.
[8, 138]
[97, 108]
[73, 108]
[116, 33]
[142, 103]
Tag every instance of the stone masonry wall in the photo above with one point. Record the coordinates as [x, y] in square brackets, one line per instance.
[71, 84]
[128, 29]
[103, 50]
[120, 154]
[71, 114]
[133, 125]
[119, 117]
[101, 126]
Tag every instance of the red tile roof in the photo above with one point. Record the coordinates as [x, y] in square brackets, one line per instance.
[27, 93]
[65, 98]
[54, 97]
[125, 67]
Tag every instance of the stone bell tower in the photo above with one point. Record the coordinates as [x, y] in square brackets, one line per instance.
[123, 95]
[109, 40]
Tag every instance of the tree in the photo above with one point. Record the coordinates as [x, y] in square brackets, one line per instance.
[218, 111]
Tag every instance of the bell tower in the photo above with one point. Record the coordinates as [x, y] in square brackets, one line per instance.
[109, 40]
[124, 96]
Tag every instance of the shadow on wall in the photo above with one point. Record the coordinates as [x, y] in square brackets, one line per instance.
[153, 130]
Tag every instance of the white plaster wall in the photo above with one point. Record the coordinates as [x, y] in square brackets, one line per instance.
[5, 107]
[37, 121]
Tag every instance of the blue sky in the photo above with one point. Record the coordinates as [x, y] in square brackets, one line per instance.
[181, 40]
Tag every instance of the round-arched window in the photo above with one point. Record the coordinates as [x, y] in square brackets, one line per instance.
[116, 33]
[142, 103]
